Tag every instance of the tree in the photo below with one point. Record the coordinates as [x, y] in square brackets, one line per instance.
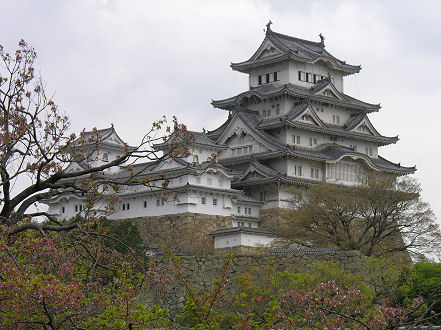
[378, 217]
[63, 273]
[36, 147]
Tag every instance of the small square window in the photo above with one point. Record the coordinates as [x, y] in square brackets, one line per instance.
[215, 201]
[158, 202]
[203, 200]
[162, 202]
[238, 209]
[249, 210]
[259, 79]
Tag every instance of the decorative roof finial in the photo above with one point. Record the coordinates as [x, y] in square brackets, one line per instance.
[268, 26]
[322, 39]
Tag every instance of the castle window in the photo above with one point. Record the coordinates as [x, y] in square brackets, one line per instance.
[124, 207]
[269, 113]
[314, 173]
[203, 200]
[214, 201]
[298, 170]
[368, 151]
[76, 208]
[345, 172]
[233, 152]
[105, 158]
[239, 151]
[250, 149]
[333, 138]
[245, 210]
[259, 78]
[267, 78]
[198, 179]
[249, 224]
[262, 196]
[249, 210]
[158, 202]
[312, 141]
[275, 76]
[63, 209]
[336, 119]
[296, 139]
[221, 183]
[162, 202]
[209, 181]
[264, 113]
[353, 147]
[302, 76]
[195, 159]
[145, 204]
[238, 209]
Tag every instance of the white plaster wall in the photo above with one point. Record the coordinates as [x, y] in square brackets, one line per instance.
[281, 68]
[329, 111]
[318, 68]
[306, 168]
[246, 239]
[304, 137]
[241, 212]
[246, 223]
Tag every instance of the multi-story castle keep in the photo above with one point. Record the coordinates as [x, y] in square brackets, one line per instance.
[294, 126]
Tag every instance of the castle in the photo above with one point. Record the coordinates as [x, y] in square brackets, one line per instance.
[294, 126]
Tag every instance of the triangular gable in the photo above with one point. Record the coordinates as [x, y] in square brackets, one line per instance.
[253, 172]
[329, 90]
[309, 116]
[236, 127]
[266, 49]
[73, 167]
[114, 139]
[366, 127]
[167, 164]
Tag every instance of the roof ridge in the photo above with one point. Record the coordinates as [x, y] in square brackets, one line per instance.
[278, 34]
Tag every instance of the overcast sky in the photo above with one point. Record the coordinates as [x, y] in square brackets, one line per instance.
[130, 62]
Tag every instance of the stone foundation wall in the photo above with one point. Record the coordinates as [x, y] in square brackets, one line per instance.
[202, 270]
[189, 231]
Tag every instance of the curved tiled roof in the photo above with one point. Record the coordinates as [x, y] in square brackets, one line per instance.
[296, 49]
[330, 153]
[199, 138]
[271, 90]
[345, 130]
[243, 230]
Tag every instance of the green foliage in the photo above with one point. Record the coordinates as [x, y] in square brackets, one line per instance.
[128, 233]
[426, 282]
